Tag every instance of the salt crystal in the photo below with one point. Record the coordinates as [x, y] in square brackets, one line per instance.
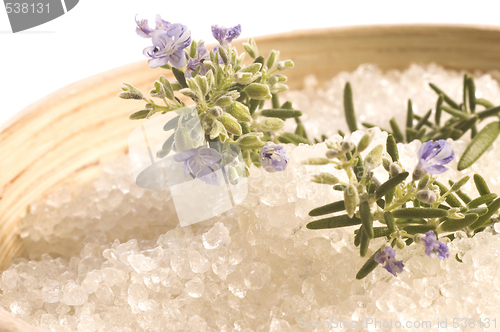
[74, 294]
[51, 291]
[256, 274]
[216, 236]
[195, 287]
[10, 278]
[279, 325]
[198, 262]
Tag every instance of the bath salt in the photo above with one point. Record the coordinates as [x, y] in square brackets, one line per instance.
[109, 256]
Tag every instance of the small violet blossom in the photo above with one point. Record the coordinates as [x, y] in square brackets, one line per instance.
[225, 35]
[433, 247]
[387, 256]
[433, 155]
[274, 158]
[194, 63]
[201, 164]
[145, 31]
[168, 46]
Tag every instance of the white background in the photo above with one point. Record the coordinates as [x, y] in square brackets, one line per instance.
[98, 35]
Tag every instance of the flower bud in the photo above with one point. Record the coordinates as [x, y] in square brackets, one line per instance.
[244, 78]
[273, 80]
[364, 142]
[424, 181]
[224, 101]
[203, 84]
[190, 93]
[347, 146]
[130, 92]
[418, 173]
[400, 243]
[158, 91]
[426, 196]
[277, 88]
[169, 91]
[374, 158]
[282, 65]
[230, 123]
[217, 129]
[239, 111]
[386, 163]
[325, 178]
[394, 169]
[253, 68]
[258, 91]
[272, 124]
[251, 48]
[215, 111]
[250, 141]
[273, 58]
[332, 153]
[351, 199]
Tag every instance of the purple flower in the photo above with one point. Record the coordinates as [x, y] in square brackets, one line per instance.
[387, 256]
[434, 247]
[168, 46]
[274, 158]
[194, 63]
[145, 31]
[433, 155]
[201, 164]
[225, 35]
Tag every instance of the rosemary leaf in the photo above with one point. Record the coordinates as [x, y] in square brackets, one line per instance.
[392, 148]
[471, 87]
[414, 229]
[363, 246]
[481, 185]
[366, 219]
[446, 98]
[334, 222]
[423, 120]
[479, 145]
[368, 267]
[179, 75]
[281, 113]
[484, 199]
[455, 112]
[389, 221]
[419, 213]
[292, 138]
[439, 103]
[398, 134]
[327, 209]
[492, 209]
[453, 225]
[484, 102]
[350, 115]
[391, 183]
[492, 111]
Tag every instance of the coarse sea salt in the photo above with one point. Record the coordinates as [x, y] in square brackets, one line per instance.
[109, 256]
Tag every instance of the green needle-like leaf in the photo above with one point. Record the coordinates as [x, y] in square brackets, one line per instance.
[453, 225]
[422, 229]
[281, 113]
[471, 88]
[389, 221]
[139, 114]
[368, 267]
[492, 209]
[439, 103]
[398, 134]
[334, 222]
[391, 183]
[179, 76]
[483, 140]
[424, 120]
[492, 111]
[484, 102]
[455, 112]
[363, 246]
[419, 213]
[451, 199]
[392, 148]
[446, 98]
[481, 185]
[293, 138]
[327, 209]
[366, 219]
[350, 115]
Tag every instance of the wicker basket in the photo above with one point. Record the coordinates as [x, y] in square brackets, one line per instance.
[68, 134]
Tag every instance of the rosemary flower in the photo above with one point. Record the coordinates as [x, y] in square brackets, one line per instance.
[168, 46]
[225, 35]
[432, 156]
[433, 247]
[387, 256]
[274, 158]
[201, 164]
